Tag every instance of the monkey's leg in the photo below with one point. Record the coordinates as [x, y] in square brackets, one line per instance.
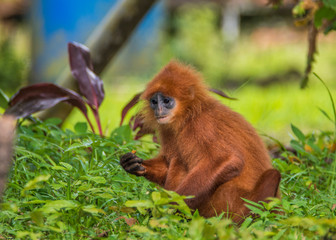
[267, 186]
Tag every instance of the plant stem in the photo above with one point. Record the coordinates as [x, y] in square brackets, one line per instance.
[88, 120]
[96, 114]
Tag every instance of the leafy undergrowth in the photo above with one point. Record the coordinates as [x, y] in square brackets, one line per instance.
[69, 185]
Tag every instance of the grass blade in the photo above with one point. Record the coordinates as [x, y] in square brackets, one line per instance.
[331, 100]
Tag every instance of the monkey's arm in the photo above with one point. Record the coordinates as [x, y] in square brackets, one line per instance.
[206, 176]
[154, 170]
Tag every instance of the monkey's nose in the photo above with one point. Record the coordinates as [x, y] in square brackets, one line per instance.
[159, 111]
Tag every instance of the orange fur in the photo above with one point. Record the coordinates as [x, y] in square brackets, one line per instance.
[207, 150]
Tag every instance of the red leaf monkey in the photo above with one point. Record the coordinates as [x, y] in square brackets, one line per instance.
[207, 150]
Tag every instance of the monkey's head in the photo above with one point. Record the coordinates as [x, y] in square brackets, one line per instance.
[175, 92]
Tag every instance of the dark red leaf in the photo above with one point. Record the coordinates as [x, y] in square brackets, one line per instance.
[41, 96]
[130, 221]
[137, 122]
[221, 93]
[129, 105]
[90, 85]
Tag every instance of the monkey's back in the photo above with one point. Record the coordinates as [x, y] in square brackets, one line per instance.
[245, 142]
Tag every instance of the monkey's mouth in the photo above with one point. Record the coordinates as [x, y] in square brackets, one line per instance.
[163, 119]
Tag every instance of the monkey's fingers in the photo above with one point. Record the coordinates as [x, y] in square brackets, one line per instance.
[135, 168]
[130, 161]
[126, 157]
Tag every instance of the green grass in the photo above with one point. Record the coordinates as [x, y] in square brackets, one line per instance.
[271, 110]
[69, 185]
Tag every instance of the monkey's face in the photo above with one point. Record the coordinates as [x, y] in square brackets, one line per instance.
[163, 107]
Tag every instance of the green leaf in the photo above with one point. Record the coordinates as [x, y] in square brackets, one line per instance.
[196, 228]
[330, 3]
[246, 223]
[326, 114]
[3, 100]
[74, 146]
[84, 144]
[298, 133]
[296, 145]
[93, 209]
[298, 10]
[279, 234]
[330, 27]
[105, 195]
[81, 127]
[139, 203]
[27, 153]
[254, 209]
[252, 203]
[142, 229]
[35, 183]
[58, 204]
[66, 165]
[53, 121]
[122, 134]
[59, 168]
[37, 217]
[24, 234]
[156, 196]
[323, 13]
[35, 202]
[56, 186]
[53, 206]
[9, 207]
[84, 187]
[94, 179]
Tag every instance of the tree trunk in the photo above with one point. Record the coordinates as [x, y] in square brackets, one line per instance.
[104, 43]
[7, 132]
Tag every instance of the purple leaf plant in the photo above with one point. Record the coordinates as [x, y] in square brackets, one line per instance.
[90, 85]
[38, 97]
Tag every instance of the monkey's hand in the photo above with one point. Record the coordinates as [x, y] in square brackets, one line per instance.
[132, 164]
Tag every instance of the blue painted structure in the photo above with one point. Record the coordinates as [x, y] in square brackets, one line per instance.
[56, 22]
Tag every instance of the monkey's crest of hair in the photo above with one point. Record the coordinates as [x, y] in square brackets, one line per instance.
[181, 82]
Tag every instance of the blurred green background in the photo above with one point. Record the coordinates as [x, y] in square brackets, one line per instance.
[262, 67]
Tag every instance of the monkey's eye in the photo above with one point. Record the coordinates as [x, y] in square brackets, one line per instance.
[153, 101]
[166, 100]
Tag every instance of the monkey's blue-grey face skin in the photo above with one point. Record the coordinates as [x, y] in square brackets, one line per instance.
[162, 106]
